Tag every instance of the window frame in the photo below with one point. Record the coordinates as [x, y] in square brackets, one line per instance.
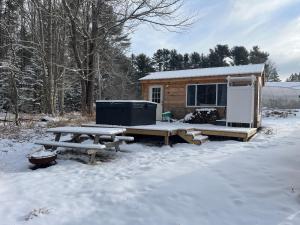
[196, 91]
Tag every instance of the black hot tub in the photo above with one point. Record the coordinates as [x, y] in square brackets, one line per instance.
[126, 113]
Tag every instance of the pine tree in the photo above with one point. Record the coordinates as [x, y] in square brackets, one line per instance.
[195, 60]
[173, 63]
[186, 61]
[143, 65]
[218, 55]
[294, 77]
[257, 56]
[158, 59]
[240, 55]
[271, 72]
[162, 59]
[180, 62]
[204, 61]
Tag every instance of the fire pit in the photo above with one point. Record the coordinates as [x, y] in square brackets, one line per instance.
[42, 158]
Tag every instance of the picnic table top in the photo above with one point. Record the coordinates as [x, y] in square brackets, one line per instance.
[88, 130]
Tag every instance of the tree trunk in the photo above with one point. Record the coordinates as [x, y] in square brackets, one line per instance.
[51, 94]
[15, 97]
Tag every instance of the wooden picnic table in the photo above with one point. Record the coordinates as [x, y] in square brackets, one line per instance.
[103, 138]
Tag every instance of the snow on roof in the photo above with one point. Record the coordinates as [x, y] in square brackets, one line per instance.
[203, 72]
[292, 85]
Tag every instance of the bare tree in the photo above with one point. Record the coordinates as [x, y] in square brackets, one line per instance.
[92, 23]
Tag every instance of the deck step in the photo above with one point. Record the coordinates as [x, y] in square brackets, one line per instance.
[201, 138]
[193, 132]
[192, 136]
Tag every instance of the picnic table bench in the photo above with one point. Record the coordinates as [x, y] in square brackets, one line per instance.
[103, 138]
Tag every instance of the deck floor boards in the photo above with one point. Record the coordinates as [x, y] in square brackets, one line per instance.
[167, 130]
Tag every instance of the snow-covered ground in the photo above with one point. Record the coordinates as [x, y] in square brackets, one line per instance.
[218, 183]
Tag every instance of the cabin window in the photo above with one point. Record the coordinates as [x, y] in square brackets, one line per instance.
[191, 95]
[156, 92]
[207, 95]
[222, 94]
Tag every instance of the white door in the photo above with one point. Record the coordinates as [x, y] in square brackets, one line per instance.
[156, 95]
[240, 104]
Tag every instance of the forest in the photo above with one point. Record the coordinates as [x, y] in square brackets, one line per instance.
[60, 56]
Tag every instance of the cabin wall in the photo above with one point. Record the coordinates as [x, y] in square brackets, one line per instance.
[174, 92]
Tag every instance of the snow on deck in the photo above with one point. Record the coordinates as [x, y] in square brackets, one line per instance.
[166, 126]
[203, 72]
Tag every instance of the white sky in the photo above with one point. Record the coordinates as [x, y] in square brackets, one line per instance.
[273, 25]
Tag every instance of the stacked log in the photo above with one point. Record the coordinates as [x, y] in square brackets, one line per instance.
[206, 115]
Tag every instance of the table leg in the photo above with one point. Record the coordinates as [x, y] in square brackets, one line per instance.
[76, 138]
[57, 138]
[117, 146]
[92, 154]
[96, 139]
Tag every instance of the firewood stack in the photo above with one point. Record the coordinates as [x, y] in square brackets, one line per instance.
[202, 116]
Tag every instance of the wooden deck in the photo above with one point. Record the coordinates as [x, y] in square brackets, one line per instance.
[166, 130]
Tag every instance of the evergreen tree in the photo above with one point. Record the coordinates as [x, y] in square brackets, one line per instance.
[158, 59]
[257, 56]
[218, 55]
[240, 55]
[142, 64]
[271, 72]
[173, 63]
[204, 61]
[294, 77]
[162, 59]
[180, 62]
[195, 60]
[186, 61]
[166, 59]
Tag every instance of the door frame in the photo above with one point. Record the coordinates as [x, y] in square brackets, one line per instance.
[161, 95]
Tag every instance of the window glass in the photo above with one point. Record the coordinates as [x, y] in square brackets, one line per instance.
[206, 94]
[222, 94]
[191, 92]
[156, 92]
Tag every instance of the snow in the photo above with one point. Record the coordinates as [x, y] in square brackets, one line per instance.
[201, 138]
[219, 183]
[206, 110]
[87, 130]
[188, 116]
[292, 85]
[281, 94]
[203, 72]
[178, 125]
[42, 154]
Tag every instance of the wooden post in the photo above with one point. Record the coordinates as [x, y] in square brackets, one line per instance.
[167, 140]
[57, 138]
[92, 154]
[96, 140]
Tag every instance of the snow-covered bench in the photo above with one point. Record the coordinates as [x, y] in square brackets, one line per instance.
[97, 134]
[119, 138]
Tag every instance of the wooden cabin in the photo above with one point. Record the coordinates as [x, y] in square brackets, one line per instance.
[235, 92]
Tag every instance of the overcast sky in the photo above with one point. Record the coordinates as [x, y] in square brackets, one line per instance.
[273, 25]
